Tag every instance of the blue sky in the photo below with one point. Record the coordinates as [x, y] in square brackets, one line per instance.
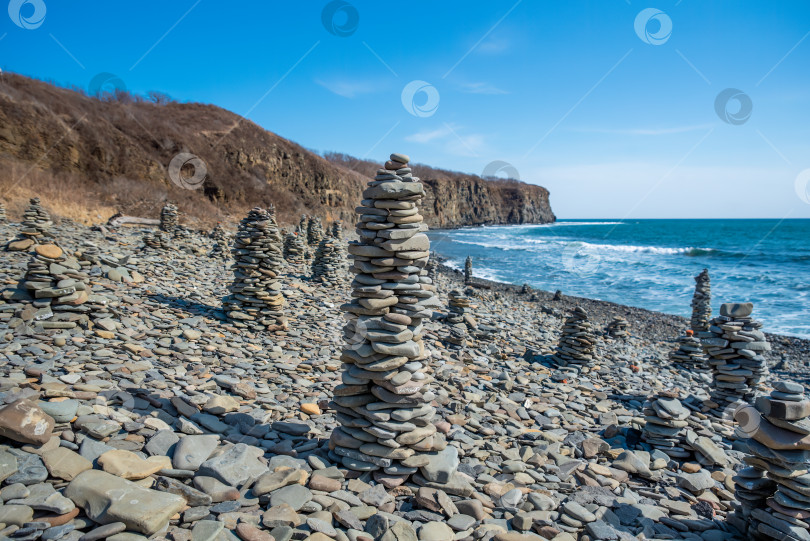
[616, 117]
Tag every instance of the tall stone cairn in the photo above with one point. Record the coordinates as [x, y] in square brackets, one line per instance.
[468, 270]
[256, 300]
[327, 263]
[302, 223]
[383, 405]
[36, 227]
[735, 344]
[336, 230]
[314, 231]
[3, 217]
[168, 218]
[221, 240]
[295, 250]
[702, 302]
[432, 266]
[773, 492]
[578, 342]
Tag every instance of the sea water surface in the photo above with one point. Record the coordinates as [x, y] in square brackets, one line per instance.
[650, 263]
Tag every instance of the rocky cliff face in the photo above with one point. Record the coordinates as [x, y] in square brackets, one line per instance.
[118, 150]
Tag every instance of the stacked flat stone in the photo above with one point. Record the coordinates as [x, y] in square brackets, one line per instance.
[432, 266]
[327, 263]
[774, 490]
[89, 253]
[689, 353]
[58, 289]
[702, 302]
[734, 344]
[36, 226]
[314, 231]
[168, 218]
[157, 240]
[336, 230]
[468, 270]
[617, 328]
[666, 424]
[221, 241]
[3, 217]
[383, 404]
[256, 300]
[459, 318]
[577, 343]
[295, 250]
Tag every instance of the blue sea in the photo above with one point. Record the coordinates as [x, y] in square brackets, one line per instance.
[650, 263]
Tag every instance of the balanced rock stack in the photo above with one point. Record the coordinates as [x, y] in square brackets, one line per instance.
[157, 240]
[168, 218]
[689, 353]
[221, 240]
[734, 344]
[432, 266]
[459, 318]
[303, 222]
[256, 300]
[774, 490]
[327, 263]
[89, 254]
[617, 328]
[295, 251]
[665, 425]
[314, 231]
[701, 302]
[36, 226]
[577, 343]
[58, 289]
[3, 217]
[468, 270]
[336, 230]
[383, 405]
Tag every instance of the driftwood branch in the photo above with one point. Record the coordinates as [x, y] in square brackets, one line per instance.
[120, 219]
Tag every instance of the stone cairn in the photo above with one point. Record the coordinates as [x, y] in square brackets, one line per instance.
[468, 270]
[256, 300]
[89, 254]
[303, 222]
[168, 218]
[577, 343]
[3, 217]
[327, 263]
[383, 404]
[617, 328]
[432, 266]
[314, 231]
[221, 240]
[734, 344]
[36, 226]
[458, 318]
[774, 490]
[702, 302]
[336, 231]
[665, 425]
[689, 353]
[59, 290]
[157, 240]
[295, 250]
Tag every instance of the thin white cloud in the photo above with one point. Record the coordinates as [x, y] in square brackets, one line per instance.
[645, 131]
[494, 45]
[482, 88]
[347, 88]
[429, 135]
[452, 140]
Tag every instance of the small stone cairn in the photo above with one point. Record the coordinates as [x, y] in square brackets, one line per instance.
[383, 405]
[3, 217]
[432, 266]
[36, 227]
[665, 426]
[256, 300]
[327, 263]
[459, 318]
[295, 250]
[59, 291]
[168, 218]
[157, 240]
[89, 254]
[577, 344]
[336, 230]
[468, 274]
[221, 240]
[774, 490]
[314, 231]
[734, 344]
[689, 353]
[303, 222]
[701, 302]
[617, 328]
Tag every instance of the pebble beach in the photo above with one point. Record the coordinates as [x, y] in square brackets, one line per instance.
[152, 389]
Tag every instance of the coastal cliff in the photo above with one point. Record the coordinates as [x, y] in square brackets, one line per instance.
[113, 154]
